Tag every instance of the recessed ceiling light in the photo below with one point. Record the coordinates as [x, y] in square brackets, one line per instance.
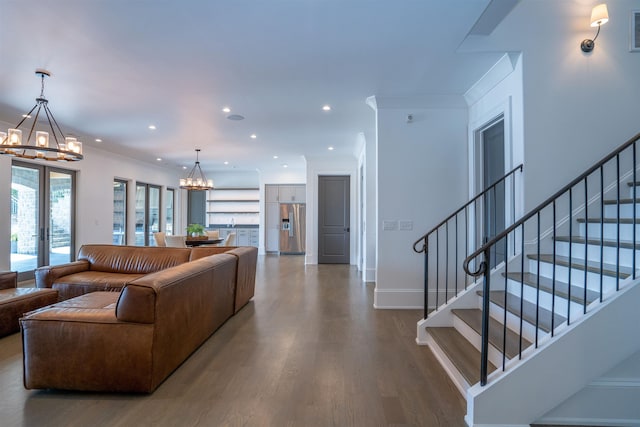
[326, 108]
[226, 110]
[330, 148]
[254, 136]
[159, 159]
[235, 117]
[98, 140]
[285, 165]
[184, 167]
[226, 163]
[275, 157]
[152, 127]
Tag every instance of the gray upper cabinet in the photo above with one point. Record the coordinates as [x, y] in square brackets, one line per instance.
[292, 194]
[271, 193]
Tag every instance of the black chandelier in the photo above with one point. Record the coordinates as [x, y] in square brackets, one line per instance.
[196, 179]
[41, 147]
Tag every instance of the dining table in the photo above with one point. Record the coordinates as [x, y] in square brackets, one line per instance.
[201, 242]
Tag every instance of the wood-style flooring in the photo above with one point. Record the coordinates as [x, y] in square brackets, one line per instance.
[309, 350]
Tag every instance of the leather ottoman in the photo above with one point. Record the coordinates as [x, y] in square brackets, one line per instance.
[14, 301]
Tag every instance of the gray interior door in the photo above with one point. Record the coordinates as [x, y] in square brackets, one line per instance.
[494, 169]
[333, 219]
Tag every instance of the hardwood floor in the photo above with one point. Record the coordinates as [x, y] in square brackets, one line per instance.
[309, 350]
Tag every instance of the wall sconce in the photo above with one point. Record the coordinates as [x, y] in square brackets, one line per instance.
[599, 16]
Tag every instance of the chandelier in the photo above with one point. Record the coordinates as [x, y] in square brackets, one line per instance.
[41, 147]
[196, 179]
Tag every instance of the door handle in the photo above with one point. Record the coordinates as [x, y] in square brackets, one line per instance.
[348, 229]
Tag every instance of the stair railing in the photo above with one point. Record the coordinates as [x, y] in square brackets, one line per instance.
[608, 167]
[449, 246]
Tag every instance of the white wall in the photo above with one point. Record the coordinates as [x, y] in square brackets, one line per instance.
[577, 106]
[421, 177]
[94, 209]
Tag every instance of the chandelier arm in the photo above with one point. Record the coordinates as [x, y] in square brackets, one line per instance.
[53, 132]
[53, 119]
[33, 125]
[26, 116]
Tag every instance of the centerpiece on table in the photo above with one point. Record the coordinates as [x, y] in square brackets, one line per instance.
[196, 232]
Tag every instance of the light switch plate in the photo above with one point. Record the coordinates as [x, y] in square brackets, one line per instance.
[406, 225]
[389, 225]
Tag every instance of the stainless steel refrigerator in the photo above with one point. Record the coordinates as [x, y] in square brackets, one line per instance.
[292, 228]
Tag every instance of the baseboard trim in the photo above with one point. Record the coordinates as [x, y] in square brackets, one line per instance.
[397, 298]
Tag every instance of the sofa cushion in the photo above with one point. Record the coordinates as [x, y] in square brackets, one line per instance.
[84, 282]
[132, 259]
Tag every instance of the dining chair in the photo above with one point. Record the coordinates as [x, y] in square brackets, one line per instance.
[213, 234]
[229, 240]
[159, 238]
[175, 241]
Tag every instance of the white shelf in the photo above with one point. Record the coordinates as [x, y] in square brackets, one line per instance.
[240, 206]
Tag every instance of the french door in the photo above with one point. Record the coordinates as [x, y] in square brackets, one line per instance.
[42, 217]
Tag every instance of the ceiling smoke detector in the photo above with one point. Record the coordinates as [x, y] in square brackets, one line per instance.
[235, 117]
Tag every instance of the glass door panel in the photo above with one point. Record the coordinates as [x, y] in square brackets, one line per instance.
[61, 209]
[25, 218]
[153, 213]
[119, 212]
[141, 219]
[168, 226]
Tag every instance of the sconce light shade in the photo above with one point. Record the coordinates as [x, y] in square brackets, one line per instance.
[599, 15]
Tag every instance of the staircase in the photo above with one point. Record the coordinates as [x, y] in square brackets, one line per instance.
[513, 341]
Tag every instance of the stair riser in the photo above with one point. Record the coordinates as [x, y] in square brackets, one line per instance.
[513, 322]
[495, 356]
[593, 253]
[577, 276]
[610, 231]
[626, 210]
[546, 300]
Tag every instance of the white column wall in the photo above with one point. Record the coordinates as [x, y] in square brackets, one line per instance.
[421, 177]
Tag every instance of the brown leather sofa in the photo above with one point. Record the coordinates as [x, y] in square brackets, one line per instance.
[129, 341]
[107, 268]
[246, 270]
[111, 267]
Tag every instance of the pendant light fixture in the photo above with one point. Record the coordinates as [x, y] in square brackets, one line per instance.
[52, 146]
[196, 180]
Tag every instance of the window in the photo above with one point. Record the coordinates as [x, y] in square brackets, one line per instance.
[119, 212]
[169, 224]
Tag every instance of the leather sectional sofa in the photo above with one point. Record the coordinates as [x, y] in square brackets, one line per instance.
[132, 340]
[111, 267]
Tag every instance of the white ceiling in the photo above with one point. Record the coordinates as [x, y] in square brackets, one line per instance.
[120, 65]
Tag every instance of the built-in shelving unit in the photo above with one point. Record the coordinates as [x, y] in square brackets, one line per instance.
[233, 206]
